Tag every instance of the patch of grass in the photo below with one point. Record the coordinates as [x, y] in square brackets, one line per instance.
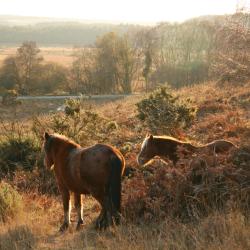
[20, 237]
[10, 202]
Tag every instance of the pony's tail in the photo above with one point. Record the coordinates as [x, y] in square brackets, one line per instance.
[114, 184]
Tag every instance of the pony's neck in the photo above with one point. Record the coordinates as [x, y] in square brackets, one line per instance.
[167, 147]
[63, 150]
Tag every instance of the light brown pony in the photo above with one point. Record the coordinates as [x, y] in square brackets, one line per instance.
[95, 170]
[167, 147]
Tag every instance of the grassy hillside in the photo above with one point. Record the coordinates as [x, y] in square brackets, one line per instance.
[163, 206]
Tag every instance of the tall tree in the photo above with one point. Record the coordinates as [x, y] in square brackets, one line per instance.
[27, 60]
[82, 71]
[115, 63]
[106, 62]
[127, 59]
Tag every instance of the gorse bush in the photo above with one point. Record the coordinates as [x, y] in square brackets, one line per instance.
[72, 107]
[10, 202]
[19, 149]
[83, 125]
[17, 153]
[163, 113]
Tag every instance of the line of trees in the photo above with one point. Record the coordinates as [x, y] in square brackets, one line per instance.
[60, 33]
[177, 54]
[108, 68]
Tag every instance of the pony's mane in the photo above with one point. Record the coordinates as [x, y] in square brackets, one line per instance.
[145, 141]
[64, 138]
[166, 137]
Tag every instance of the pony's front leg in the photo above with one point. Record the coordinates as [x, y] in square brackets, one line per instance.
[67, 209]
[78, 207]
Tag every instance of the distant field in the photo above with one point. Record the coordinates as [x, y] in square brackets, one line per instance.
[61, 55]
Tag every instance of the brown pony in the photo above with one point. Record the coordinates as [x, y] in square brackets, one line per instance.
[95, 170]
[166, 146]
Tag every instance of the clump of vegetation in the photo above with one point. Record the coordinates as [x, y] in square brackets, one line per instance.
[17, 153]
[72, 107]
[10, 201]
[39, 180]
[83, 125]
[18, 149]
[162, 112]
[10, 97]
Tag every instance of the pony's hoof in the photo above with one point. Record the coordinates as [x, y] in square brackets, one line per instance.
[64, 227]
[79, 224]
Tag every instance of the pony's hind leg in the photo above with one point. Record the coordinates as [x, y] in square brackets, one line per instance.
[105, 219]
[78, 207]
[67, 209]
[102, 219]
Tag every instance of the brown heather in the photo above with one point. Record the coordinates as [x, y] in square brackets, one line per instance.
[202, 203]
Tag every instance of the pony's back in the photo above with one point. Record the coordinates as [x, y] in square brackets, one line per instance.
[220, 145]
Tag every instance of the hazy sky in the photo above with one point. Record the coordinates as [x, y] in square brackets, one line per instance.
[117, 10]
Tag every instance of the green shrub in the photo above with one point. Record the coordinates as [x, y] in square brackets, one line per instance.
[82, 124]
[72, 107]
[17, 153]
[10, 202]
[163, 113]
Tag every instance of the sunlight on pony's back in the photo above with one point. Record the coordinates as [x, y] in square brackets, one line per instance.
[167, 147]
[94, 170]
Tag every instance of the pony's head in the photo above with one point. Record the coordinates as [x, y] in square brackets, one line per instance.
[147, 150]
[48, 154]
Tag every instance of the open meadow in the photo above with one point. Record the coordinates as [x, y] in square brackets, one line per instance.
[61, 55]
[201, 203]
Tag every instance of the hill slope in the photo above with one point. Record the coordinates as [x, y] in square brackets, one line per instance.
[158, 195]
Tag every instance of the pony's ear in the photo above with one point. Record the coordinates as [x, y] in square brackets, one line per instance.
[46, 136]
[150, 137]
